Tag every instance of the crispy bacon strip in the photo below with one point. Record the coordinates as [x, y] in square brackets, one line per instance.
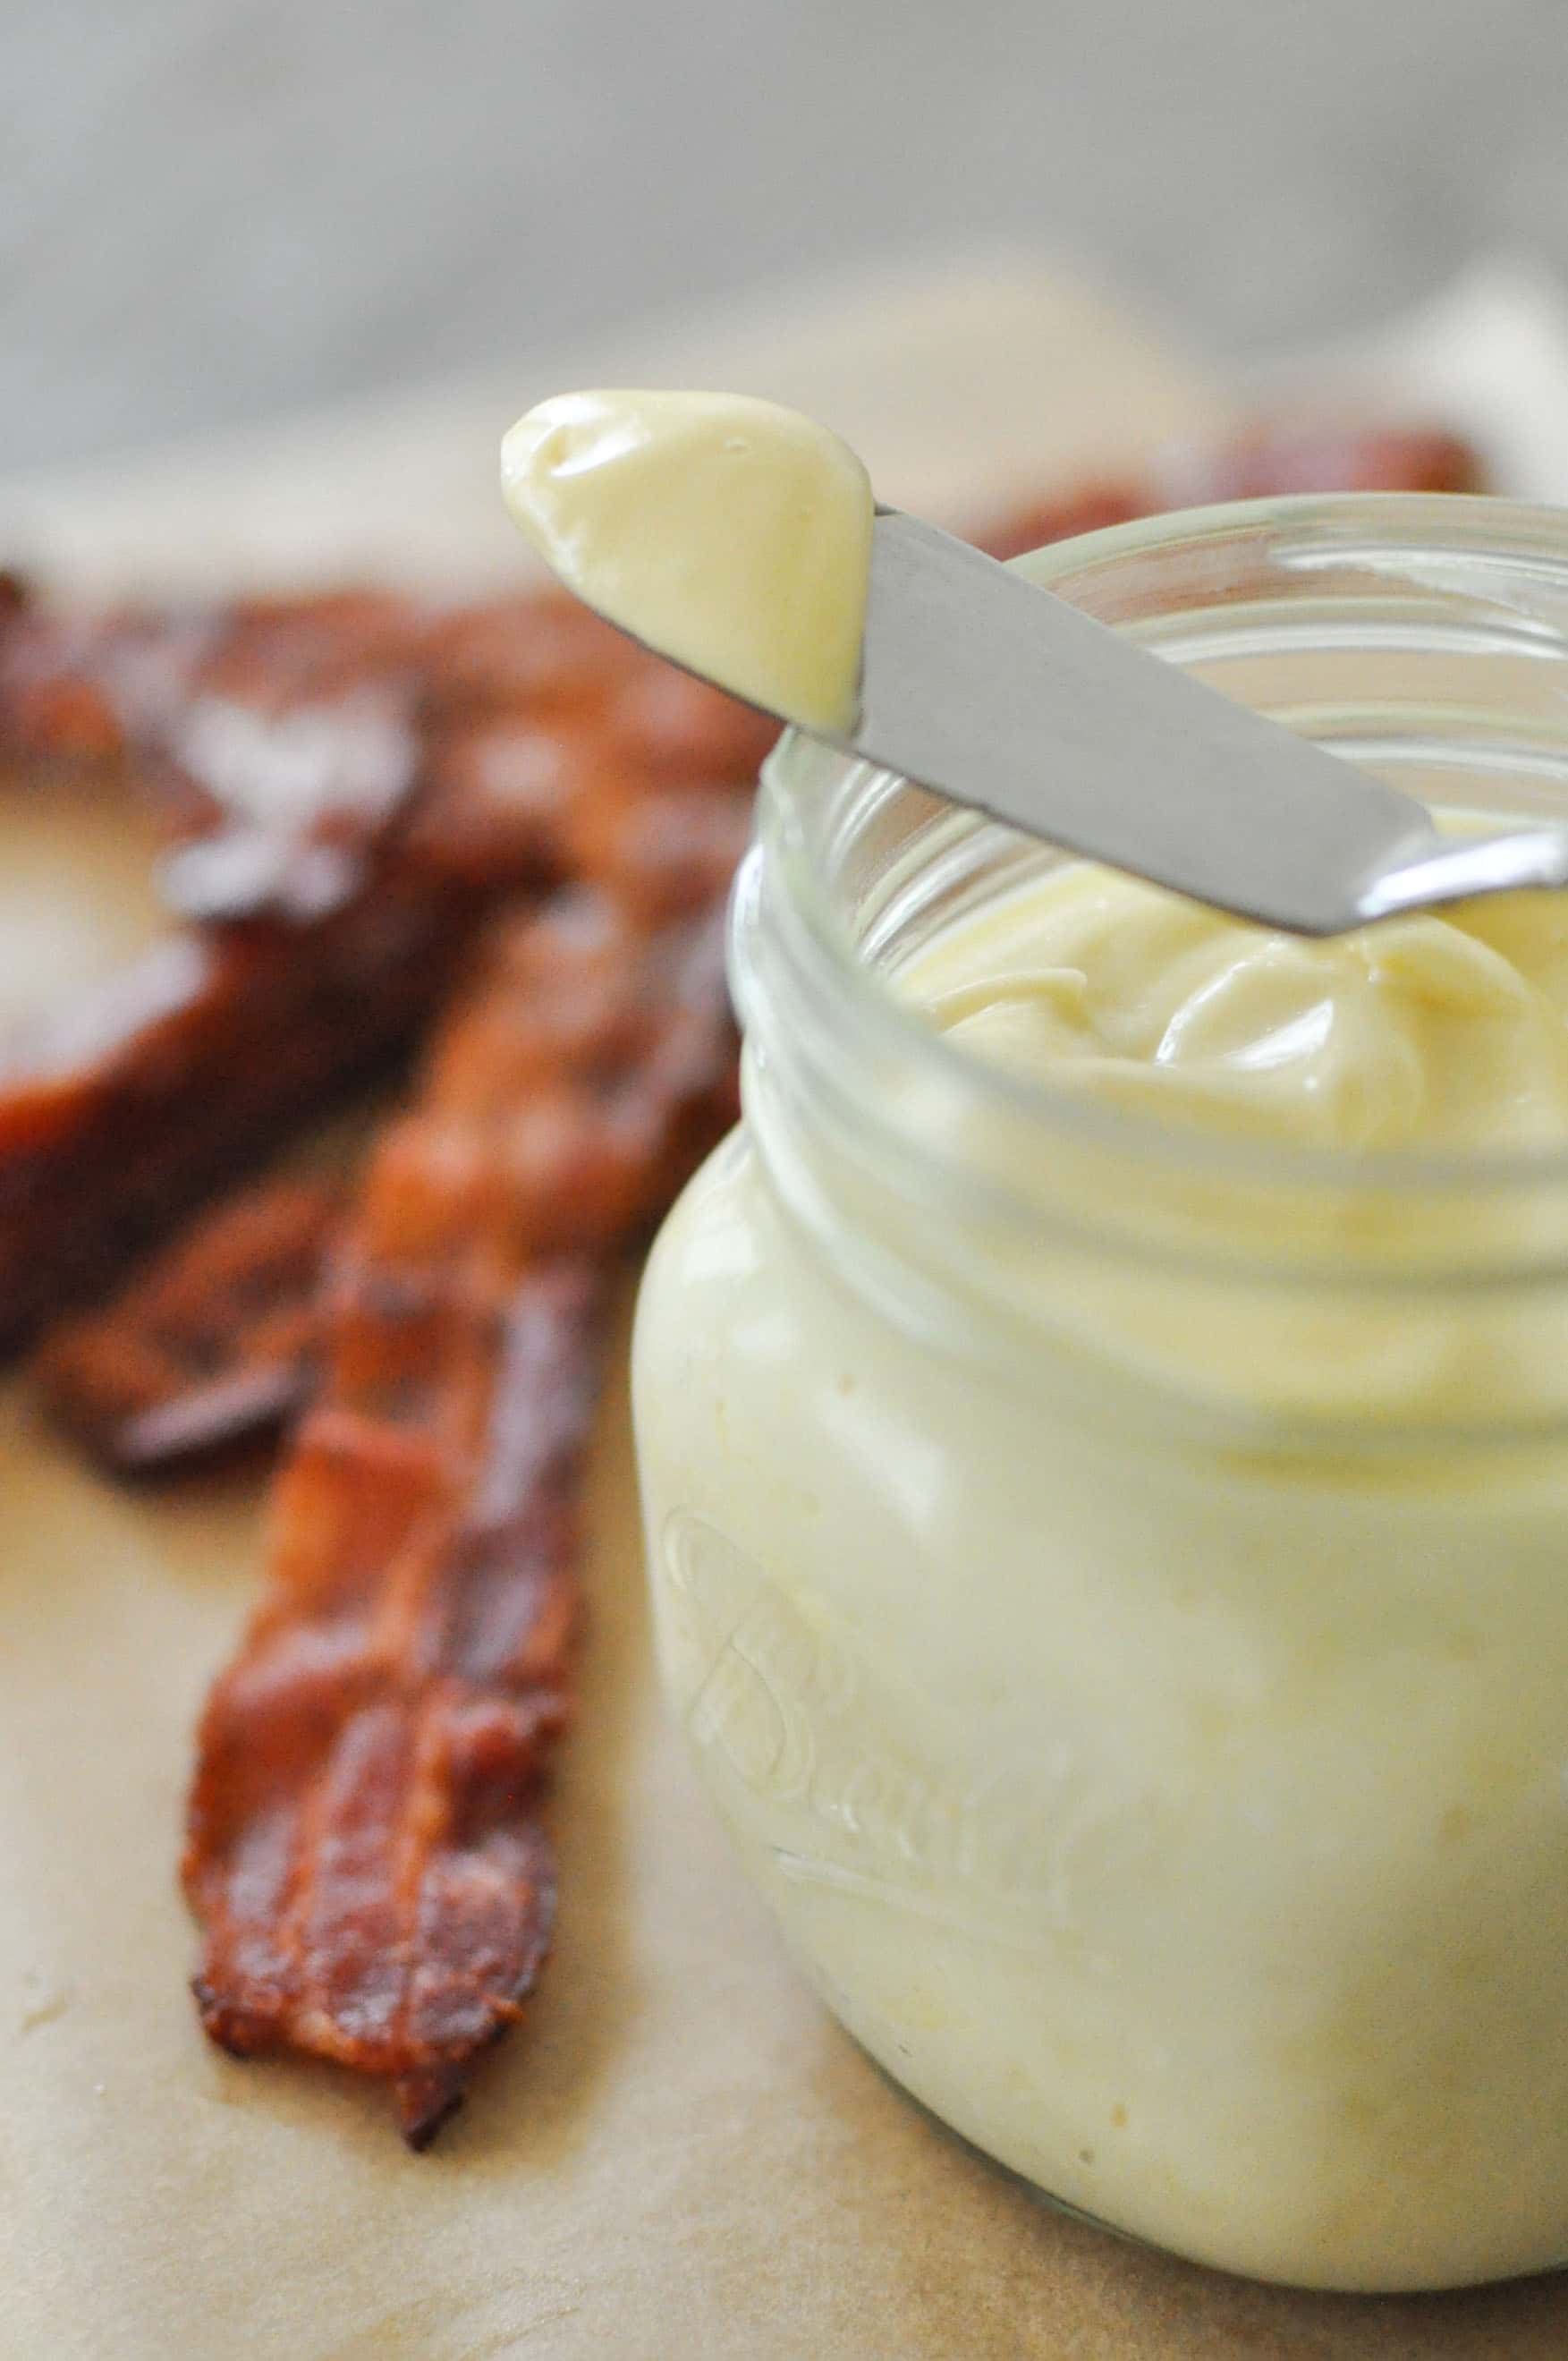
[424, 767]
[215, 1343]
[365, 1852]
[322, 949]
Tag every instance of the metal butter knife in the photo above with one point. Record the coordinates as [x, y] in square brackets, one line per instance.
[992, 692]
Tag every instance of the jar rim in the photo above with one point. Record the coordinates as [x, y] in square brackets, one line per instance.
[1394, 528]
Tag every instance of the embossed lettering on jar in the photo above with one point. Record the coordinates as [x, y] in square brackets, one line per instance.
[1107, 1560]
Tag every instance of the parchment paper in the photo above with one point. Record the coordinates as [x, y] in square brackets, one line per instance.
[678, 2153]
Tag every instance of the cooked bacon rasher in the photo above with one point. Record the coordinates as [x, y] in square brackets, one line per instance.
[365, 1849]
[348, 785]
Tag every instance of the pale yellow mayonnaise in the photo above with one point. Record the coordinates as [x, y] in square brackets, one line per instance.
[1179, 1809]
[1438, 1032]
[1129, 1646]
[731, 534]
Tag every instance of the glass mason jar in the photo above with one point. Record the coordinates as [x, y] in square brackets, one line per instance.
[1114, 1579]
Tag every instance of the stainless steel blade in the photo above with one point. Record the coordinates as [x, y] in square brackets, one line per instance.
[994, 693]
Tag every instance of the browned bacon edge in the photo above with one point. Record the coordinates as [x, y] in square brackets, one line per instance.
[215, 1343]
[365, 1852]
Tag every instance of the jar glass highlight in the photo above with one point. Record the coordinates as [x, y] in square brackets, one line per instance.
[1114, 1579]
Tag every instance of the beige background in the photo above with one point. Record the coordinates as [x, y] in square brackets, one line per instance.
[679, 2153]
[214, 210]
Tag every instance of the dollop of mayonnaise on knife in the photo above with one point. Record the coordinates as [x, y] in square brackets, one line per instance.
[730, 534]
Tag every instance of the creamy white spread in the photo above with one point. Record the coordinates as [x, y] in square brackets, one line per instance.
[1182, 1817]
[1151, 1732]
[729, 533]
[1439, 1032]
